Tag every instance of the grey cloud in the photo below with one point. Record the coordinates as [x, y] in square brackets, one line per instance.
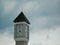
[47, 8]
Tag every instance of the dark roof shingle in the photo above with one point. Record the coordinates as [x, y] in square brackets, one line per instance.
[21, 18]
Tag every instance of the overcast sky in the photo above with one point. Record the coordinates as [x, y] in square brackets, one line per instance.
[44, 16]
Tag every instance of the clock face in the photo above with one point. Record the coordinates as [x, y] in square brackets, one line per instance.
[22, 30]
[19, 30]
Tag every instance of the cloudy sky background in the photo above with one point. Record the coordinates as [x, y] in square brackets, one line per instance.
[44, 16]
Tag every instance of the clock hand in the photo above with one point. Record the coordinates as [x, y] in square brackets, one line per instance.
[19, 30]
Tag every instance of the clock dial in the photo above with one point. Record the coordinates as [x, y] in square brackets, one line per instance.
[20, 30]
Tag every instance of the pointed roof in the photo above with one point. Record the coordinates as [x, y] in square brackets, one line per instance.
[21, 18]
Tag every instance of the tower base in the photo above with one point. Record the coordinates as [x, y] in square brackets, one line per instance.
[21, 43]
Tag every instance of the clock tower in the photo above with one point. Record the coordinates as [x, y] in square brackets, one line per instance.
[21, 29]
